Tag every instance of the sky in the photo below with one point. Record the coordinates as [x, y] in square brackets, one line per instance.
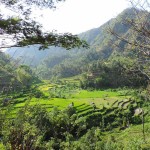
[77, 16]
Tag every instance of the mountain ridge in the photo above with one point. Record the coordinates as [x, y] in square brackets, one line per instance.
[101, 47]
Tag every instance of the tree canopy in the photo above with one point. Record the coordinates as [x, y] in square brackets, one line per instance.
[24, 31]
[139, 27]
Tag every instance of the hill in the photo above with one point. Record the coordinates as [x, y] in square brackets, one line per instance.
[76, 112]
[7, 77]
[13, 76]
[57, 62]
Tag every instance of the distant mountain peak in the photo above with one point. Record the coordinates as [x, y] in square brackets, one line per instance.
[101, 47]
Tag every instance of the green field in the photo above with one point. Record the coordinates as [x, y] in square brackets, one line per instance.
[108, 103]
[82, 99]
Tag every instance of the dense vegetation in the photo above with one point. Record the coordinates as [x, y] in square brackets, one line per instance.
[14, 77]
[104, 48]
[93, 99]
[65, 117]
[116, 72]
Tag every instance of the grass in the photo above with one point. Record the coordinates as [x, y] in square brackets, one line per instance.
[99, 94]
[2, 146]
[79, 97]
[132, 136]
[82, 100]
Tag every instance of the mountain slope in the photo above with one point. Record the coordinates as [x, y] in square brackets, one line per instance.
[62, 63]
[14, 77]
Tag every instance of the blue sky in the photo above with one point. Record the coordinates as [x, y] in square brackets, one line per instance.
[77, 16]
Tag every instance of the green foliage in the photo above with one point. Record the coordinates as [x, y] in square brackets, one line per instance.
[116, 72]
[34, 127]
[78, 61]
[8, 80]
[41, 3]
[13, 77]
[117, 66]
[30, 33]
[75, 127]
[145, 146]
[91, 139]
[83, 125]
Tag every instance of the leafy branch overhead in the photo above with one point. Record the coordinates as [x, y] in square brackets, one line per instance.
[25, 7]
[26, 33]
[39, 3]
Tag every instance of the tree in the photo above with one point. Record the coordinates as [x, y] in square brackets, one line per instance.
[19, 30]
[24, 75]
[24, 31]
[137, 38]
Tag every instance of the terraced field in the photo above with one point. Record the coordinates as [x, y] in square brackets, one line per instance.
[85, 102]
[107, 109]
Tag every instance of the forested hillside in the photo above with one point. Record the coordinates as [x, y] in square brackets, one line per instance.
[95, 98]
[7, 77]
[13, 76]
[104, 48]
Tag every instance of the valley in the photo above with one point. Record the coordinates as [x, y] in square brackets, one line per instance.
[113, 110]
[95, 96]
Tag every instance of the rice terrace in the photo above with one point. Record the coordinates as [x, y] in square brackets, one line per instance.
[83, 87]
[100, 106]
[61, 96]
